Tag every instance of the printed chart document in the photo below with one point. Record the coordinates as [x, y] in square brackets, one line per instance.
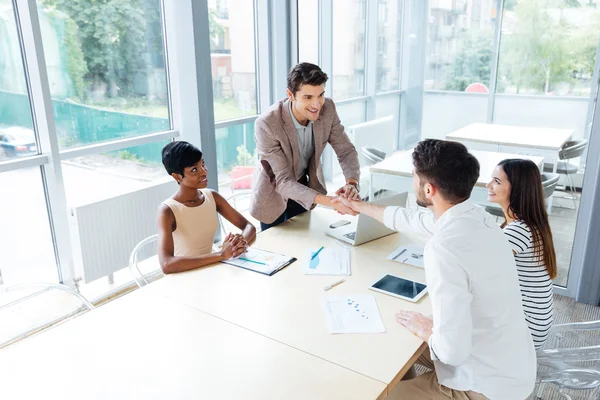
[409, 254]
[329, 261]
[261, 261]
[353, 314]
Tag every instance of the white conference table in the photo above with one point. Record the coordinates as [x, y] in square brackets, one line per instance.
[396, 172]
[287, 307]
[143, 346]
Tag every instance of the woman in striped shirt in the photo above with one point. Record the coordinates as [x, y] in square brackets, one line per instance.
[516, 186]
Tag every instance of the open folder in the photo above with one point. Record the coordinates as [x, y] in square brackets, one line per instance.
[261, 261]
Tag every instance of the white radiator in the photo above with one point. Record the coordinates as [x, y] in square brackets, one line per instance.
[105, 232]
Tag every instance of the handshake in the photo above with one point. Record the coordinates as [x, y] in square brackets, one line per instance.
[346, 200]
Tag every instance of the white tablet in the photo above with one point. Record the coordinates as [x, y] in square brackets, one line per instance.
[400, 287]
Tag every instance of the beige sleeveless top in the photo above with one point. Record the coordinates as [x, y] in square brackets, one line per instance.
[196, 226]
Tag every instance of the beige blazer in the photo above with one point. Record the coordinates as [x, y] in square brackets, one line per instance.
[274, 180]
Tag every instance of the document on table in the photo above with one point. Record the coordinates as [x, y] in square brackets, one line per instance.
[261, 261]
[409, 254]
[329, 261]
[353, 314]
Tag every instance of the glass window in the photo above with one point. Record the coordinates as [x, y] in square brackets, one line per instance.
[236, 159]
[106, 69]
[459, 45]
[102, 176]
[389, 31]
[548, 47]
[348, 48]
[26, 249]
[233, 58]
[547, 55]
[308, 31]
[17, 138]
[457, 66]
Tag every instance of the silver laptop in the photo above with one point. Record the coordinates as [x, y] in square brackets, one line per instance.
[363, 228]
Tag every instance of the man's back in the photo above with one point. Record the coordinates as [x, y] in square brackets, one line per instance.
[480, 336]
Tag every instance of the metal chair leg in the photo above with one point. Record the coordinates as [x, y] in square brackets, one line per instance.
[573, 192]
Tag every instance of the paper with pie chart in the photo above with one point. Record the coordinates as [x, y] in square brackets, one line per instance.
[353, 314]
[328, 261]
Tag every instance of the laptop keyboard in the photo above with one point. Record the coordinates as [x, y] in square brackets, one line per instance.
[351, 235]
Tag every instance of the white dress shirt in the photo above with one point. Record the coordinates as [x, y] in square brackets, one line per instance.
[480, 339]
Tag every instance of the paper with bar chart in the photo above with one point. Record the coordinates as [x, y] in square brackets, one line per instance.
[409, 254]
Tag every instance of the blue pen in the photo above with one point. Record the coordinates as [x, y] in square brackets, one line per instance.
[316, 253]
[252, 261]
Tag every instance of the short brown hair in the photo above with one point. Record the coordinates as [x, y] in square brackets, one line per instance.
[305, 74]
[448, 166]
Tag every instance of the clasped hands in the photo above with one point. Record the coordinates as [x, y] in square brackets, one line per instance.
[234, 245]
[345, 196]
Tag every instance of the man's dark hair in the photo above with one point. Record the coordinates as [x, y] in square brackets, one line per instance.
[179, 155]
[448, 166]
[305, 74]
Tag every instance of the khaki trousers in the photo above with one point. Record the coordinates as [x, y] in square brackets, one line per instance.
[427, 387]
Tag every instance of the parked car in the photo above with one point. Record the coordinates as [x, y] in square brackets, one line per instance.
[16, 141]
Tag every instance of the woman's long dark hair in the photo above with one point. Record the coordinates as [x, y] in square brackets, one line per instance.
[527, 203]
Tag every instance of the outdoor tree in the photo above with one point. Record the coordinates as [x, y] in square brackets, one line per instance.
[472, 62]
[120, 41]
[541, 49]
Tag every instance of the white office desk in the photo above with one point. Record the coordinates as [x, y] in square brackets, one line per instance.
[287, 307]
[396, 172]
[144, 346]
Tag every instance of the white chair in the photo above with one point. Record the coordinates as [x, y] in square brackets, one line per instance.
[570, 151]
[571, 368]
[27, 309]
[143, 261]
[372, 155]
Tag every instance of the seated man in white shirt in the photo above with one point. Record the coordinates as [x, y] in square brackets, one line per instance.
[478, 338]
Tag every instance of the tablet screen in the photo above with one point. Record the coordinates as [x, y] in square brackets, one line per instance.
[399, 286]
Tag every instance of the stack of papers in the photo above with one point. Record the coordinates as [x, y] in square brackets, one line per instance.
[329, 261]
[261, 261]
[409, 254]
[353, 314]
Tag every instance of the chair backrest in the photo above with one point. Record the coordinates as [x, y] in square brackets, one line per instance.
[572, 149]
[29, 308]
[549, 183]
[143, 261]
[373, 156]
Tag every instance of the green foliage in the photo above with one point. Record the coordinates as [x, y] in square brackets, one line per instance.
[535, 54]
[244, 157]
[539, 50]
[214, 28]
[472, 63]
[126, 155]
[76, 65]
[115, 36]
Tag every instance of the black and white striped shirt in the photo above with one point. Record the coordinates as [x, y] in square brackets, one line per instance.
[534, 281]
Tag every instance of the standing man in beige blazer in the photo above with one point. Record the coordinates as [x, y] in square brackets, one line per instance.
[290, 138]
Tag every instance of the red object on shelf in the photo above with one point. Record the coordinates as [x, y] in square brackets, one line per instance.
[239, 172]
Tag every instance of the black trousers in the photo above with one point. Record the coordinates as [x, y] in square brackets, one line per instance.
[291, 210]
